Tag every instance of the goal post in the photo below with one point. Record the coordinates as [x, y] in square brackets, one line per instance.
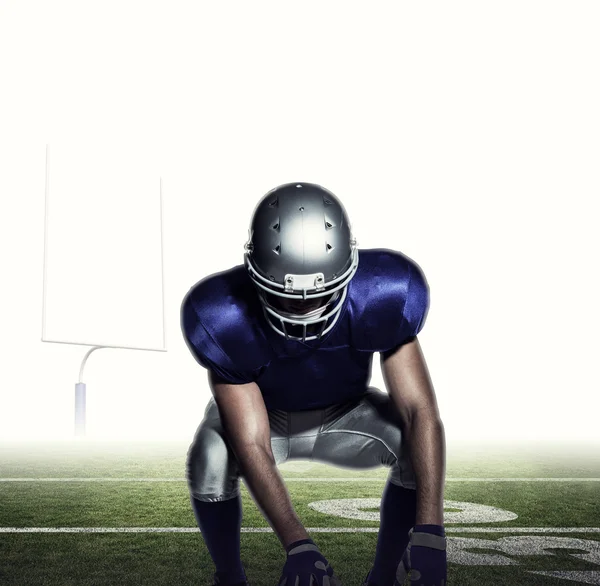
[80, 387]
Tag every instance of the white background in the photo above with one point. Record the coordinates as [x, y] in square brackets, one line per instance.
[465, 134]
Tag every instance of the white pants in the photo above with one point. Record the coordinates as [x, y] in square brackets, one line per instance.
[362, 433]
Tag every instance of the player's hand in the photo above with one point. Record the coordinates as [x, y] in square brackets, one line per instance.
[424, 560]
[306, 566]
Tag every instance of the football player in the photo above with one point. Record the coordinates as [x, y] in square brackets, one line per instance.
[288, 340]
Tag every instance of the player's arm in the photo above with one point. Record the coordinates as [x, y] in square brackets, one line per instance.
[409, 385]
[246, 424]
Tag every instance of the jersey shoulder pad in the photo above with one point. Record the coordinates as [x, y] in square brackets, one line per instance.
[219, 324]
[390, 300]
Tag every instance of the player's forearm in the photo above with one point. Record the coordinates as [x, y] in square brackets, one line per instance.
[270, 493]
[424, 434]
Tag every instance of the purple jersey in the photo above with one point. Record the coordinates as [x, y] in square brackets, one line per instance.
[224, 326]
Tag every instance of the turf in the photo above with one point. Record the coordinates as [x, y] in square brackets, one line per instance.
[181, 558]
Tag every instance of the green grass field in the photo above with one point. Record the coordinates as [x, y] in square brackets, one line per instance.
[96, 514]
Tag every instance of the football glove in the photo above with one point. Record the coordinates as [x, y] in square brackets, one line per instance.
[424, 560]
[306, 566]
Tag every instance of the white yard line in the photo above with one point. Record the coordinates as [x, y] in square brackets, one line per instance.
[292, 479]
[583, 576]
[449, 529]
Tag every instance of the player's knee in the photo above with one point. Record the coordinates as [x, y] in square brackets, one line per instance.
[209, 464]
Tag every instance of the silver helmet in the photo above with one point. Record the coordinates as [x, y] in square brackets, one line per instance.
[301, 253]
